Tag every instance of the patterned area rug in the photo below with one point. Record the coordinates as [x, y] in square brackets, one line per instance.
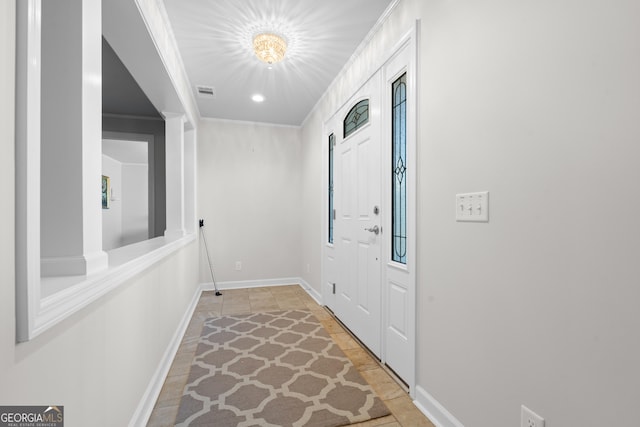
[273, 369]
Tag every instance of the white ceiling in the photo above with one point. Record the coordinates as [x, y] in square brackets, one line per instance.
[215, 40]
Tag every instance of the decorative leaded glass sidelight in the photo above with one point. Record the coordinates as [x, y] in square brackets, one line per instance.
[332, 140]
[399, 170]
[357, 117]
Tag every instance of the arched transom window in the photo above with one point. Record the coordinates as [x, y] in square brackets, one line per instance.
[357, 117]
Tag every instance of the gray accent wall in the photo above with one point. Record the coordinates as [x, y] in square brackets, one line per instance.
[115, 127]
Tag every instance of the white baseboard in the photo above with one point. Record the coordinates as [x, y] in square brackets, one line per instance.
[317, 296]
[242, 284]
[437, 413]
[145, 407]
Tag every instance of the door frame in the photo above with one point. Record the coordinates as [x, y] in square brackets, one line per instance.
[333, 125]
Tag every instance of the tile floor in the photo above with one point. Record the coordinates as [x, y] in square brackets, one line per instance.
[275, 298]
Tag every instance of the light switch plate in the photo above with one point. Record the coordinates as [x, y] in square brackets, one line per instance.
[472, 207]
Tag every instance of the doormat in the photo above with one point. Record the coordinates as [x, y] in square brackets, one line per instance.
[273, 369]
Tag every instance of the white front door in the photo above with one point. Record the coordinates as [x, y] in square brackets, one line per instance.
[358, 232]
[369, 279]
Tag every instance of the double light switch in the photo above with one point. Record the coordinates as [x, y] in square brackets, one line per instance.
[472, 207]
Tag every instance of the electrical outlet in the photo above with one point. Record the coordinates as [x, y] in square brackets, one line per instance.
[528, 418]
[238, 265]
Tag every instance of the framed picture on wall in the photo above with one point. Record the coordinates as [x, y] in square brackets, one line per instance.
[106, 192]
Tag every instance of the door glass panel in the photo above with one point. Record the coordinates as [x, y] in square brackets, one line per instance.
[357, 117]
[332, 140]
[399, 170]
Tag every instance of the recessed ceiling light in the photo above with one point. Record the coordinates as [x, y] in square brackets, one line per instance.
[257, 98]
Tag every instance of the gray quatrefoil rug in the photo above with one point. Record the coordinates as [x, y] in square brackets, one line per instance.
[273, 369]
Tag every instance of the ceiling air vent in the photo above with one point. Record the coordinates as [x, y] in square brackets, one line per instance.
[206, 92]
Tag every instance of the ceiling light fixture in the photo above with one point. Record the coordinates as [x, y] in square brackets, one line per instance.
[269, 47]
[257, 98]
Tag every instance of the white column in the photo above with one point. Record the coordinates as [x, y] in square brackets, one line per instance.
[71, 142]
[28, 42]
[190, 181]
[174, 173]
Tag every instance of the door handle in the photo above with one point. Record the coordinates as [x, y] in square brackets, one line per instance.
[375, 229]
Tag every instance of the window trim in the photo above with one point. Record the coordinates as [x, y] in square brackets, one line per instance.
[35, 311]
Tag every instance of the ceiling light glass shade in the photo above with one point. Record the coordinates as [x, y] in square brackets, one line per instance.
[269, 48]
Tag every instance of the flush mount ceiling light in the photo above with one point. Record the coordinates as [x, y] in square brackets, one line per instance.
[257, 98]
[269, 47]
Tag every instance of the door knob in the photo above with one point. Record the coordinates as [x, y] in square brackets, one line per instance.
[375, 229]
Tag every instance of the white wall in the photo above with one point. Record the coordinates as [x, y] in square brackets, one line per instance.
[104, 355]
[313, 190]
[249, 194]
[127, 219]
[112, 217]
[536, 102]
